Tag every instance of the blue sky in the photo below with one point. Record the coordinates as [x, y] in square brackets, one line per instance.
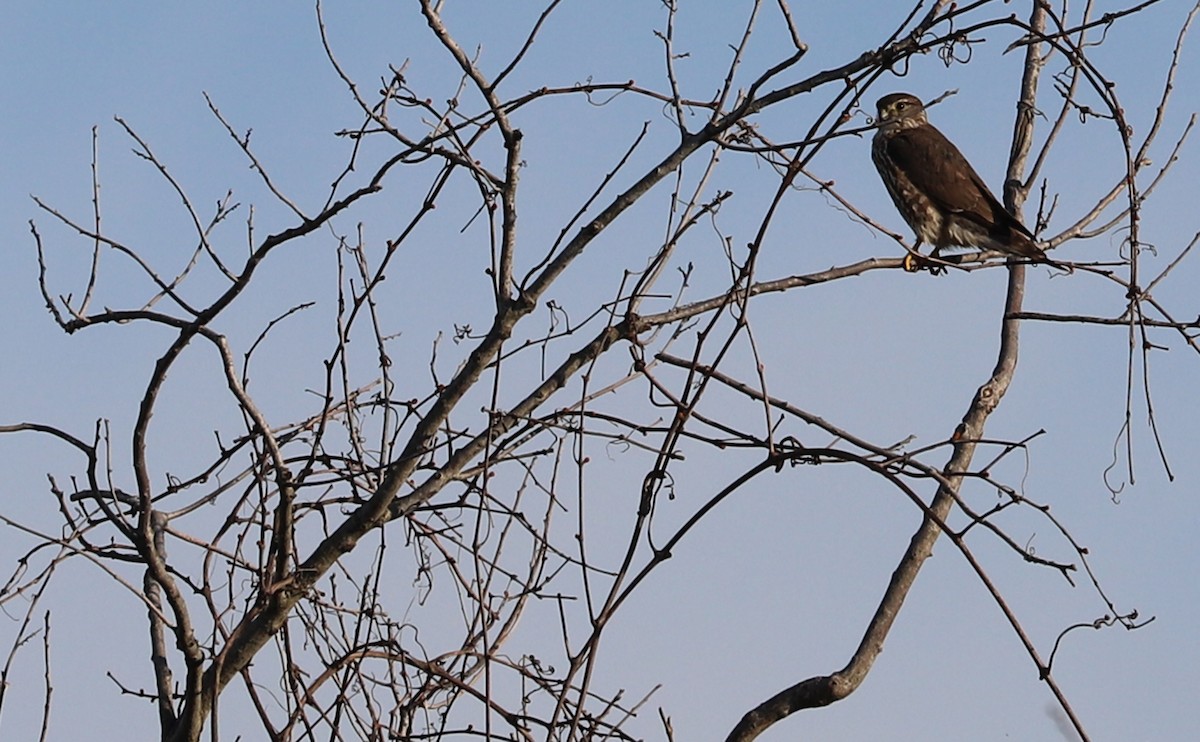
[779, 583]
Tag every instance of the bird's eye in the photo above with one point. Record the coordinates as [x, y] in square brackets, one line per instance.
[901, 105]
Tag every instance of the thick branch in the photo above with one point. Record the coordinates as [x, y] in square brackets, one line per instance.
[823, 690]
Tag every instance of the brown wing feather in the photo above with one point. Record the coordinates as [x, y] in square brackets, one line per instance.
[935, 166]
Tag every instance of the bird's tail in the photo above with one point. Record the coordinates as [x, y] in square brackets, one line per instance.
[1023, 244]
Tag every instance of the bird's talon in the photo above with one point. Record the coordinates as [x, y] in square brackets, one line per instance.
[911, 263]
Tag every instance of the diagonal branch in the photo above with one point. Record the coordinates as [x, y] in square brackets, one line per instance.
[823, 690]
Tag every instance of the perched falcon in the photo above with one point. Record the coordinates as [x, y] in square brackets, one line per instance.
[936, 190]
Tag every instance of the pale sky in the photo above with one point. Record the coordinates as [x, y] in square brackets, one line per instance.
[779, 583]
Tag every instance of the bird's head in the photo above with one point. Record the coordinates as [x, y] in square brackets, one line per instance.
[900, 111]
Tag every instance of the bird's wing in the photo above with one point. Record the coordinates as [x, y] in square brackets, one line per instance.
[935, 167]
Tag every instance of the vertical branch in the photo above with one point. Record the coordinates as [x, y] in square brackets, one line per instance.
[1022, 140]
[823, 690]
[49, 692]
[163, 680]
[512, 145]
[91, 284]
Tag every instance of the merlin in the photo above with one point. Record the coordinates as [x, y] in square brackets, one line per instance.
[936, 190]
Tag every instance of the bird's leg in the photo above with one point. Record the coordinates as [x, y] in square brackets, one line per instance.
[914, 259]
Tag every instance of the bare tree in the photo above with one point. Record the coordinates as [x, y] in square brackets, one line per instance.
[366, 568]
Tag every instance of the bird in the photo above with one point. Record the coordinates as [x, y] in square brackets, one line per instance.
[936, 190]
